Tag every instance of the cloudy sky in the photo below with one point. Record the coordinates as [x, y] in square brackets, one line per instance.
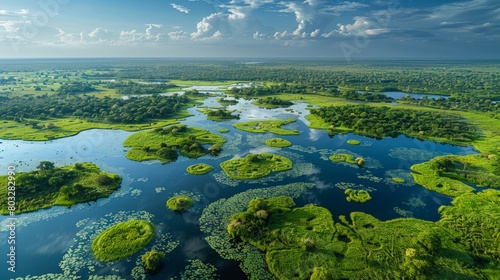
[250, 28]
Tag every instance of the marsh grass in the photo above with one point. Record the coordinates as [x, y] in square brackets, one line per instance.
[122, 240]
[180, 203]
[255, 166]
[273, 126]
[278, 143]
[199, 169]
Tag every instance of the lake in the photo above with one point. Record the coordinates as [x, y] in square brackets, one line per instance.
[47, 237]
[400, 95]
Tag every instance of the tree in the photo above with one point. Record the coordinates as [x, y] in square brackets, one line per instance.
[152, 260]
[104, 180]
[45, 165]
[56, 181]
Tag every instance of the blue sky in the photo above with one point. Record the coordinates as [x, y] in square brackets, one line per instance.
[250, 28]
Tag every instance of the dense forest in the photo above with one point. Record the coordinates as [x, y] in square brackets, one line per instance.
[129, 87]
[111, 110]
[386, 121]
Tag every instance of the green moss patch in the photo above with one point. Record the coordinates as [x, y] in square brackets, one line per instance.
[163, 143]
[180, 203]
[398, 180]
[122, 240]
[353, 142]
[273, 126]
[347, 158]
[255, 166]
[360, 196]
[50, 186]
[219, 114]
[199, 169]
[224, 130]
[278, 143]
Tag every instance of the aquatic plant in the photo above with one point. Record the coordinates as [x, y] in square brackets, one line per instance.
[360, 196]
[198, 270]
[273, 126]
[353, 142]
[254, 166]
[152, 260]
[223, 130]
[180, 203]
[122, 240]
[398, 180]
[278, 143]
[199, 169]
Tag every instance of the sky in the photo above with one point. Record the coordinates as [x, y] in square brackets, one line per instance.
[433, 29]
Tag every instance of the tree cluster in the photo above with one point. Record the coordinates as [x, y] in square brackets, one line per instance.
[386, 121]
[75, 88]
[130, 87]
[460, 102]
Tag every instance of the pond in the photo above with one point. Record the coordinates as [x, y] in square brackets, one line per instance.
[400, 95]
[47, 237]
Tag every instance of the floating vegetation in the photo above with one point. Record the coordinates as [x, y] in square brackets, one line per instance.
[415, 202]
[199, 169]
[180, 203]
[160, 189]
[197, 270]
[273, 126]
[369, 176]
[348, 158]
[360, 196]
[105, 277]
[215, 219]
[79, 256]
[348, 185]
[143, 179]
[403, 212]
[54, 276]
[135, 192]
[414, 154]
[255, 166]
[353, 142]
[278, 143]
[223, 130]
[404, 175]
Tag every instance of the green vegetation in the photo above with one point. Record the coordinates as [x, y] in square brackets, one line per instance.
[305, 243]
[347, 158]
[273, 126]
[180, 203]
[152, 260]
[130, 87]
[255, 166]
[446, 174]
[220, 115]
[122, 240]
[162, 143]
[389, 121]
[353, 142]
[199, 169]
[278, 143]
[65, 186]
[224, 130]
[227, 102]
[398, 180]
[360, 196]
[272, 103]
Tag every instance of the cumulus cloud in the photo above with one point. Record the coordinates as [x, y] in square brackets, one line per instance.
[345, 7]
[177, 35]
[362, 26]
[180, 8]
[209, 27]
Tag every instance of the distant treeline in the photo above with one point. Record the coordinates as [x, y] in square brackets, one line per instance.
[138, 88]
[111, 110]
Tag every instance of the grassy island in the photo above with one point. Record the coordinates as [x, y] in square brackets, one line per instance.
[162, 143]
[305, 242]
[65, 186]
[278, 143]
[398, 180]
[360, 196]
[122, 240]
[353, 142]
[199, 169]
[255, 166]
[219, 114]
[224, 130]
[227, 102]
[180, 203]
[347, 158]
[272, 103]
[447, 174]
[273, 126]
[152, 260]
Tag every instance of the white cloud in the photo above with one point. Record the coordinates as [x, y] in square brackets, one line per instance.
[180, 8]
[177, 35]
[345, 7]
[22, 12]
[260, 36]
[362, 26]
[208, 26]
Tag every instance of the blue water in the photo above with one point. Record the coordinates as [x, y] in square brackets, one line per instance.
[42, 244]
[400, 95]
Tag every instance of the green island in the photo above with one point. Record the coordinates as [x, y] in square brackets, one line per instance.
[353, 142]
[219, 114]
[360, 196]
[227, 102]
[273, 126]
[347, 158]
[224, 130]
[122, 240]
[272, 103]
[398, 180]
[447, 174]
[50, 186]
[254, 166]
[152, 260]
[199, 169]
[278, 143]
[305, 242]
[180, 203]
[162, 143]
[66, 114]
